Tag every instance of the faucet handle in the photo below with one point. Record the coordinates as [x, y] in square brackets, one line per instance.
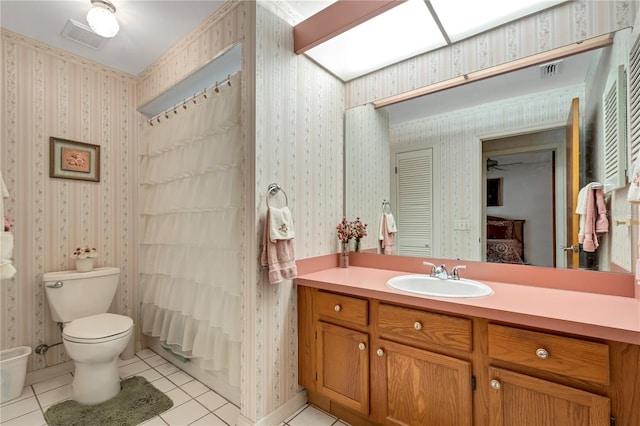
[433, 267]
[454, 271]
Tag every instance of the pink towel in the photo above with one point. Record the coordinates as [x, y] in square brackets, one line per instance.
[279, 256]
[388, 241]
[596, 221]
[602, 223]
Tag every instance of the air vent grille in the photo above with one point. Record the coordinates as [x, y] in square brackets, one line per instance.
[550, 69]
[82, 34]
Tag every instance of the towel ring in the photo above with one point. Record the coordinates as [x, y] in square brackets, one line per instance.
[386, 206]
[273, 190]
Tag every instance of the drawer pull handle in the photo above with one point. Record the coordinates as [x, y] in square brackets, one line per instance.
[337, 308]
[417, 325]
[362, 346]
[542, 353]
[380, 352]
[495, 384]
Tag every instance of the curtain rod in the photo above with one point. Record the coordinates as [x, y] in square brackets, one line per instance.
[215, 87]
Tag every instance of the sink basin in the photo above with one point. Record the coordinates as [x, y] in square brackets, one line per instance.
[426, 285]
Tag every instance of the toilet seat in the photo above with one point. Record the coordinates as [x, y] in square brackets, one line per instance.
[97, 328]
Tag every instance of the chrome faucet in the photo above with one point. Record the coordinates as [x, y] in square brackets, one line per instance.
[441, 271]
[433, 268]
[454, 271]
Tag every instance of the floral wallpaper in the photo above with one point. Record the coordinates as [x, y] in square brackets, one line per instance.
[50, 92]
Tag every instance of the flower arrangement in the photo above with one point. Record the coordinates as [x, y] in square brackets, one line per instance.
[359, 229]
[345, 231]
[84, 253]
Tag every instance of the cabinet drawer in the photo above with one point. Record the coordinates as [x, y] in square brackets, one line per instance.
[341, 308]
[567, 356]
[420, 328]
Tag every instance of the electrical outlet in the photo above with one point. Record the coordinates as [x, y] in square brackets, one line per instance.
[461, 225]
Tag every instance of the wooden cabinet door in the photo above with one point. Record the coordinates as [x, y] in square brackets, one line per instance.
[343, 366]
[519, 400]
[417, 387]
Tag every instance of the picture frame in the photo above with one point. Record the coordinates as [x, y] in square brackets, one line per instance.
[494, 192]
[73, 160]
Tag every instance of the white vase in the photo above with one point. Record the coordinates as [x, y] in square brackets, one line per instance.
[84, 265]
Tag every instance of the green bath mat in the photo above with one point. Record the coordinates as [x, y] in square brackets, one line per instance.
[137, 402]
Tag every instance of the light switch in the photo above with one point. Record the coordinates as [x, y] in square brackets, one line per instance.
[461, 225]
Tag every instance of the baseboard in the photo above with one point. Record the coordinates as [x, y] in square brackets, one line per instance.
[280, 414]
[49, 373]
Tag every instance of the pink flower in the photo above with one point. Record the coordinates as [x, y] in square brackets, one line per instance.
[359, 229]
[83, 253]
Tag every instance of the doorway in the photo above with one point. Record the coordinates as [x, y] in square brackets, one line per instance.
[522, 177]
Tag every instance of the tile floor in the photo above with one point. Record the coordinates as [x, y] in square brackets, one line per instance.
[193, 403]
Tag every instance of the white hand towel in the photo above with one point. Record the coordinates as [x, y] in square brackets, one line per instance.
[391, 223]
[633, 195]
[6, 243]
[280, 224]
[581, 208]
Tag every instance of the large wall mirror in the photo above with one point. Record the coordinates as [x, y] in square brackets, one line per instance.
[482, 172]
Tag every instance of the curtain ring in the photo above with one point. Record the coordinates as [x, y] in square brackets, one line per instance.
[184, 104]
[216, 88]
[205, 93]
[229, 79]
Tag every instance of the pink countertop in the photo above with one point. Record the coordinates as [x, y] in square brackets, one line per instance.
[610, 317]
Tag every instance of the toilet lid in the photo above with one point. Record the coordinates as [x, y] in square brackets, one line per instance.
[97, 326]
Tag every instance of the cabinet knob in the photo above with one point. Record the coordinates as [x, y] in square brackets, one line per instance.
[495, 384]
[362, 346]
[417, 325]
[542, 353]
[337, 308]
[380, 352]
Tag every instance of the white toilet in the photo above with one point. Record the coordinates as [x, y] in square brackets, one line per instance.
[92, 337]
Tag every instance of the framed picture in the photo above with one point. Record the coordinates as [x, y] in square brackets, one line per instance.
[74, 160]
[494, 192]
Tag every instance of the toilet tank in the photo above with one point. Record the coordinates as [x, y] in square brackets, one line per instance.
[73, 294]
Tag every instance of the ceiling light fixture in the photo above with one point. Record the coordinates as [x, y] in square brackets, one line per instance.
[101, 18]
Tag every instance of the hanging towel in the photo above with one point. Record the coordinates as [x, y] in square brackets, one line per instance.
[593, 216]
[7, 269]
[633, 195]
[279, 256]
[281, 224]
[602, 223]
[387, 237]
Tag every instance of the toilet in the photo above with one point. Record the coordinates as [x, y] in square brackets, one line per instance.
[92, 338]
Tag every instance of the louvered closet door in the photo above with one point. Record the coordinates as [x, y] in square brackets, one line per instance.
[415, 203]
[634, 102]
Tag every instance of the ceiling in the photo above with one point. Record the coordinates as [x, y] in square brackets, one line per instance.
[145, 35]
[147, 28]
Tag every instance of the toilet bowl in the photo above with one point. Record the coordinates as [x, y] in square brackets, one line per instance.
[94, 343]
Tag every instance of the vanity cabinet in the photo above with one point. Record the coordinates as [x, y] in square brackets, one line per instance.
[413, 382]
[342, 349]
[517, 398]
[373, 362]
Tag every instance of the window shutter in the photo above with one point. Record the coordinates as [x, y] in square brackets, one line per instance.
[615, 129]
[415, 203]
[634, 103]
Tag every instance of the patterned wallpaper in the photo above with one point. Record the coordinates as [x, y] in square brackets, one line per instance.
[293, 136]
[562, 25]
[367, 177]
[458, 135]
[299, 138]
[50, 92]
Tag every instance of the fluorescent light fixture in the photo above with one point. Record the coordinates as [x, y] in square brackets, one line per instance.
[400, 33]
[101, 18]
[464, 19]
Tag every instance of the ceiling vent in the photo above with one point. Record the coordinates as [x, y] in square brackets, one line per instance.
[550, 69]
[82, 34]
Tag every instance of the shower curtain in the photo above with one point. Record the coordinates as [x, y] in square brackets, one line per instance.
[190, 199]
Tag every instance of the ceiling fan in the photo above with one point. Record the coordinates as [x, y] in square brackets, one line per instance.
[495, 164]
